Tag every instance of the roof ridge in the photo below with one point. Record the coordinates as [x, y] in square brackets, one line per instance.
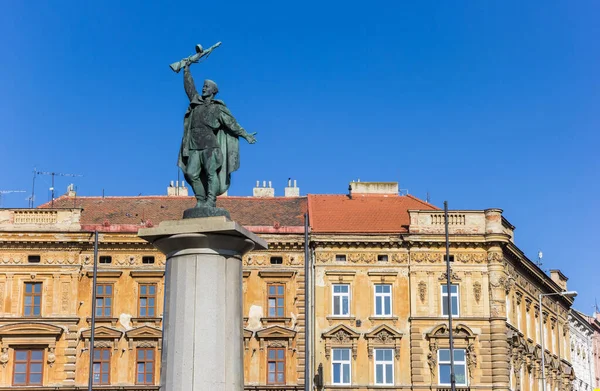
[421, 201]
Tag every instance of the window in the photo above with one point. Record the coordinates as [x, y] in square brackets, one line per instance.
[341, 299]
[33, 258]
[148, 260]
[276, 366]
[32, 305]
[340, 258]
[340, 366]
[101, 366]
[28, 367]
[383, 300]
[104, 295]
[384, 366]
[145, 366]
[276, 300]
[451, 258]
[453, 299]
[147, 300]
[460, 367]
[382, 258]
[105, 259]
[276, 260]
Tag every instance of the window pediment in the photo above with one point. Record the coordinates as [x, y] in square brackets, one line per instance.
[30, 329]
[105, 273]
[383, 337]
[340, 336]
[278, 274]
[144, 336]
[247, 337]
[103, 337]
[460, 332]
[277, 335]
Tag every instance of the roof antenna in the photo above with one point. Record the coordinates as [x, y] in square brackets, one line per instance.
[8, 192]
[540, 256]
[53, 174]
[428, 199]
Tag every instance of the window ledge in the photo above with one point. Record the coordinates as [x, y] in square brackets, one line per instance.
[373, 319]
[333, 318]
[276, 320]
[145, 320]
[103, 319]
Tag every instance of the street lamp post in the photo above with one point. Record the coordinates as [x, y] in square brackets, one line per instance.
[542, 337]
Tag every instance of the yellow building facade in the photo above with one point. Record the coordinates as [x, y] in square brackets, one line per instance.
[376, 292]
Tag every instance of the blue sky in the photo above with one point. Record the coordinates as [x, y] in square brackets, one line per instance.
[483, 104]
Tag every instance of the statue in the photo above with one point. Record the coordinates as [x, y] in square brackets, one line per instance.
[209, 150]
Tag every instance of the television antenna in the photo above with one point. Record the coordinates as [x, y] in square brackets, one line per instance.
[8, 192]
[52, 174]
[540, 256]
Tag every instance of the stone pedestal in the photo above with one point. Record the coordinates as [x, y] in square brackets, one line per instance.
[202, 325]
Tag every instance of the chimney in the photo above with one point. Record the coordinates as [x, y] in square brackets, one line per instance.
[264, 191]
[292, 191]
[176, 189]
[557, 276]
[384, 189]
[71, 192]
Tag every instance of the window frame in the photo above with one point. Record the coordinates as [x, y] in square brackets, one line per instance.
[383, 296]
[147, 296]
[341, 295]
[101, 361]
[33, 294]
[144, 361]
[384, 363]
[28, 363]
[276, 360]
[462, 363]
[104, 297]
[444, 299]
[275, 296]
[341, 362]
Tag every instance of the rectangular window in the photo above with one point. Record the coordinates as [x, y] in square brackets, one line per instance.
[32, 303]
[148, 260]
[276, 260]
[460, 367]
[276, 300]
[340, 366]
[33, 258]
[340, 258]
[453, 299]
[101, 366]
[384, 366]
[383, 300]
[341, 299]
[147, 300]
[104, 299]
[28, 367]
[382, 258]
[145, 366]
[105, 259]
[276, 366]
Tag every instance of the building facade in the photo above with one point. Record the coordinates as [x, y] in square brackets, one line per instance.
[376, 294]
[582, 354]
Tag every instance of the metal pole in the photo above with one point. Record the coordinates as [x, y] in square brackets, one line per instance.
[449, 299]
[307, 367]
[542, 345]
[93, 326]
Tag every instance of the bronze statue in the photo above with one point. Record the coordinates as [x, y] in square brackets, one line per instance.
[209, 150]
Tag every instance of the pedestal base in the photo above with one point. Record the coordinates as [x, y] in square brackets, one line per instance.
[202, 335]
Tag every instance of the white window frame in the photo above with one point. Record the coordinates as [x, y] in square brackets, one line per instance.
[340, 295]
[456, 363]
[342, 363]
[384, 363]
[444, 299]
[382, 296]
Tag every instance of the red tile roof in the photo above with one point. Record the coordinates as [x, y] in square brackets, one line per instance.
[248, 211]
[362, 213]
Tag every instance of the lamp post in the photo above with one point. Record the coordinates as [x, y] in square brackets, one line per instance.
[570, 294]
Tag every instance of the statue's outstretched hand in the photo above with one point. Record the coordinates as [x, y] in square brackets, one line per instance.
[250, 138]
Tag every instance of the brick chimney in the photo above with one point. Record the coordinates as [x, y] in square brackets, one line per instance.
[176, 189]
[292, 191]
[264, 191]
[557, 276]
[373, 188]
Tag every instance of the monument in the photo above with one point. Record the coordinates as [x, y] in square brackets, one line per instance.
[202, 323]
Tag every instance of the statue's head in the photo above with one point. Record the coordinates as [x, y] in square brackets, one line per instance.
[209, 89]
